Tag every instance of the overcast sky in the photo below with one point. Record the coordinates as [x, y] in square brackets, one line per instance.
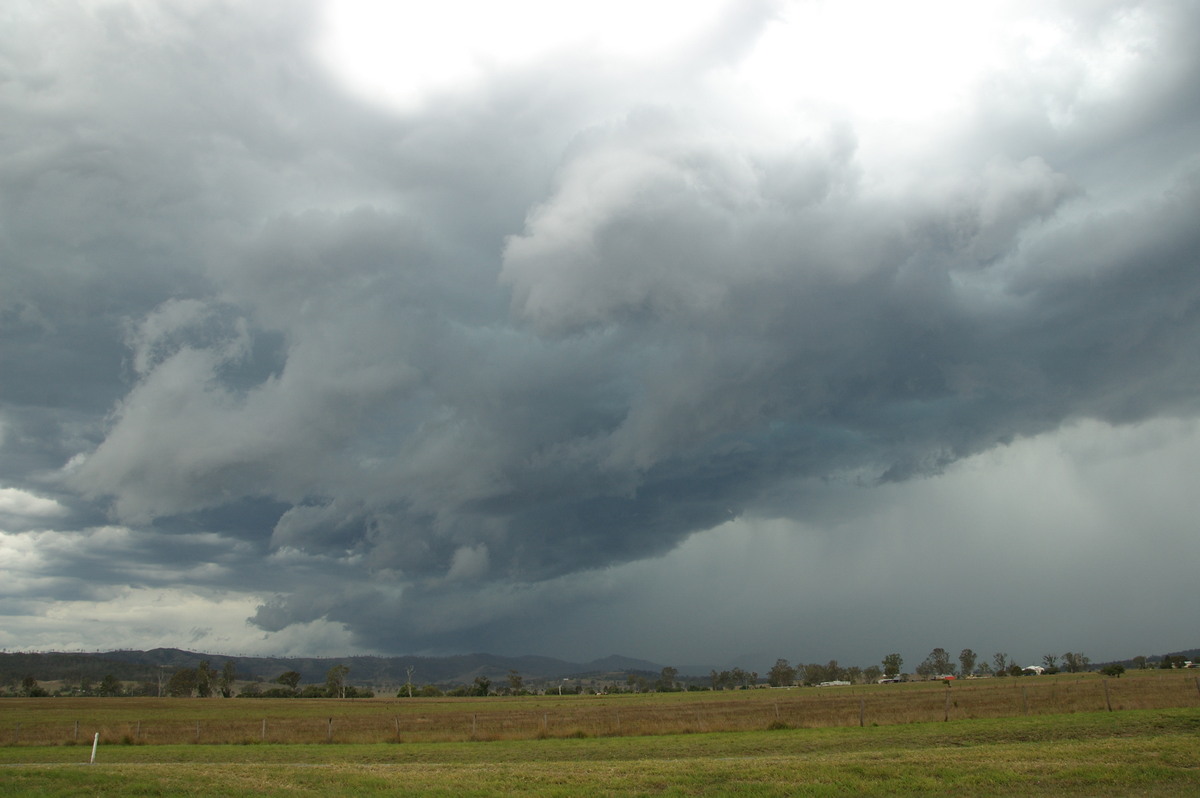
[707, 333]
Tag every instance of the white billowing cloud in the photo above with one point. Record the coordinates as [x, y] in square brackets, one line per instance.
[142, 618]
[402, 53]
[469, 563]
[14, 501]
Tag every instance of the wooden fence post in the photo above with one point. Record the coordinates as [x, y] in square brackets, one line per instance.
[76, 731]
[862, 712]
[1107, 702]
[264, 730]
[329, 731]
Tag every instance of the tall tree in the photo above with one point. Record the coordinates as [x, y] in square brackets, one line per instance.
[205, 676]
[182, 683]
[1000, 663]
[335, 681]
[228, 677]
[781, 674]
[666, 679]
[289, 679]
[892, 664]
[936, 664]
[1049, 662]
[966, 658]
[515, 682]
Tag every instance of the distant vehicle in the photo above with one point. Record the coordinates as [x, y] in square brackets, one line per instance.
[834, 683]
[886, 680]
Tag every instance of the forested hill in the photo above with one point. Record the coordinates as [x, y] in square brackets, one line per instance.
[365, 671]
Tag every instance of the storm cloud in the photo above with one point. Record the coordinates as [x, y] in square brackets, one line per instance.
[485, 369]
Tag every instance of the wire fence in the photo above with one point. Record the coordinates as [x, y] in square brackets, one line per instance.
[255, 721]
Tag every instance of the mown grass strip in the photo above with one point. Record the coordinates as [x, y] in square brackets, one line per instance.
[1149, 753]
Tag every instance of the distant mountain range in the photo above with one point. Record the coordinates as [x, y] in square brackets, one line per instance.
[373, 672]
[364, 671]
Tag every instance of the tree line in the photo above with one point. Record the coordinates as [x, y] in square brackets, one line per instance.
[205, 681]
[938, 664]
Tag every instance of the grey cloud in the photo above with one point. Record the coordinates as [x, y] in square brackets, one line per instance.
[438, 366]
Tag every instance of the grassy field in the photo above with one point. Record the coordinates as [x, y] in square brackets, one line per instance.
[1133, 753]
[152, 721]
[1035, 737]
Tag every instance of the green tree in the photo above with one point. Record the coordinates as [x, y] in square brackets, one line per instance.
[335, 681]
[1050, 662]
[1074, 662]
[666, 680]
[1113, 670]
[482, 685]
[892, 664]
[228, 677]
[289, 679]
[31, 689]
[1000, 663]
[872, 673]
[205, 677]
[939, 661]
[515, 683]
[781, 674]
[109, 686]
[966, 658]
[182, 683]
[1139, 662]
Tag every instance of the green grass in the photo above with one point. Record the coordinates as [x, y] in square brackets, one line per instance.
[1135, 753]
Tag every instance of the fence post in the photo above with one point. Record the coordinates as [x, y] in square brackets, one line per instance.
[1107, 702]
[1024, 700]
[862, 712]
[137, 734]
[197, 731]
[946, 716]
[77, 731]
[264, 730]
[329, 731]
[95, 742]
